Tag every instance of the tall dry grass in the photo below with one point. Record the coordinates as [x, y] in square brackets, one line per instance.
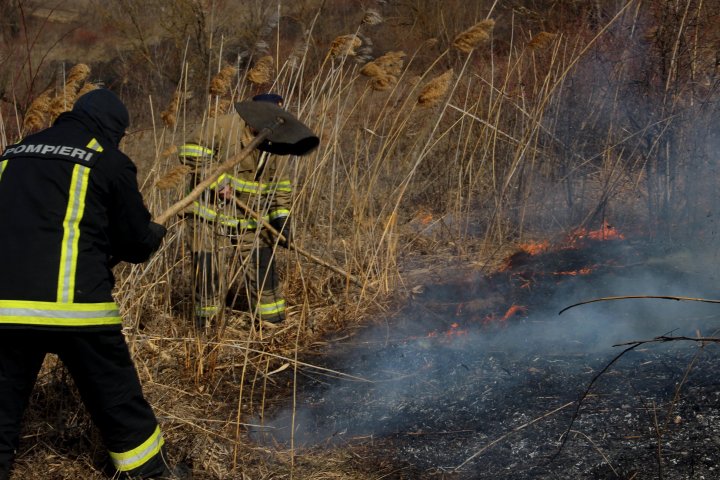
[450, 151]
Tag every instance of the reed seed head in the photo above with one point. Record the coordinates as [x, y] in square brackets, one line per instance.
[345, 45]
[220, 84]
[372, 17]
[169, 115]
[262, 72]
[474, 36]
[78, 73]
[541, 40]
[436, 89]
[37, 114]
[173, 178]
[87, 87]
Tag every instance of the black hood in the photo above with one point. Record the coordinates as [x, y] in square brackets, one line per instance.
[106, 111]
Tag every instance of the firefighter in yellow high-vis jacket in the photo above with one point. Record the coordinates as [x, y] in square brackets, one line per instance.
[223, 237]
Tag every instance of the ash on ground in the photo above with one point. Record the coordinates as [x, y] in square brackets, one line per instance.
[456, 390]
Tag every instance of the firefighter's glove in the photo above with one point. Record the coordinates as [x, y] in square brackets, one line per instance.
[282, 225]
[157, 232]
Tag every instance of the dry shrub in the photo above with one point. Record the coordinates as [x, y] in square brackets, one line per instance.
[345, 45]
[435, 89]
[262, 72]
[474, 36]
[541, 40]
[37, 114]
[220, 84]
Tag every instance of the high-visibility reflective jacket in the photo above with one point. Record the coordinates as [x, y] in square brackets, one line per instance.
[69, 200]
[260, 181]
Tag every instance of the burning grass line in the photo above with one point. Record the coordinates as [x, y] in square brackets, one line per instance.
[632, 297]
[511, 432]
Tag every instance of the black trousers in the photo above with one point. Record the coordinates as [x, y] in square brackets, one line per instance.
[100, 364]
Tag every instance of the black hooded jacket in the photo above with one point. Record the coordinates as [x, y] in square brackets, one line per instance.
[69, 201]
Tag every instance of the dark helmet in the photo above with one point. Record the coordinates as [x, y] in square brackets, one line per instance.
[269, 97]
[107, 111]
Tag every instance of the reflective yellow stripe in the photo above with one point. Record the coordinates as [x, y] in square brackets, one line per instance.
[206, 311]
[138, 456]
[57, 314]
[194, 150]
[249, 186]
[271, 308]
[3, 164]
[279, 213]
[281, 186]
[209, 214]
[71, 234]
[94, 145]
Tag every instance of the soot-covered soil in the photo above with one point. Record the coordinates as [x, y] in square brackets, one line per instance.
[455, 391]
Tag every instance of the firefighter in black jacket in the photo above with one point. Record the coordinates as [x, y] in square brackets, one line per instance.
[69, 202]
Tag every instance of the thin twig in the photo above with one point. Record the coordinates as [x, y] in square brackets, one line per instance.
[514, 430]
[632, 297]
[602, 454]
[584, 396]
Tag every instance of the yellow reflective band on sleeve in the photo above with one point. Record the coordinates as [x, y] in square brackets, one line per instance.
[56, 314]
[211, 215]
[244, 186]
[271, 308]
[206, 312]
[194, 150]
[281, 186]
[3, 164]
[140, 455]
[94, 145]
[222, 179]
[279, 213]
[71, 234]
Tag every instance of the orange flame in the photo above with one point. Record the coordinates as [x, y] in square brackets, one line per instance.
[605, 232]
[582, 271]
[513, 311]
[533, 248]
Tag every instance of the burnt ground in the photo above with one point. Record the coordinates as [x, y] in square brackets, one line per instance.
[457, 392]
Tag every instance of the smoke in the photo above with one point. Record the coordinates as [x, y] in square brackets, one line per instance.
[426, 375]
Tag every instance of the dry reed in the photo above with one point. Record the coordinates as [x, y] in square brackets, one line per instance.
[541, 40]
[345, 45]
[474, 36]
[262, 72]
[220, 84]
[435, 89]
